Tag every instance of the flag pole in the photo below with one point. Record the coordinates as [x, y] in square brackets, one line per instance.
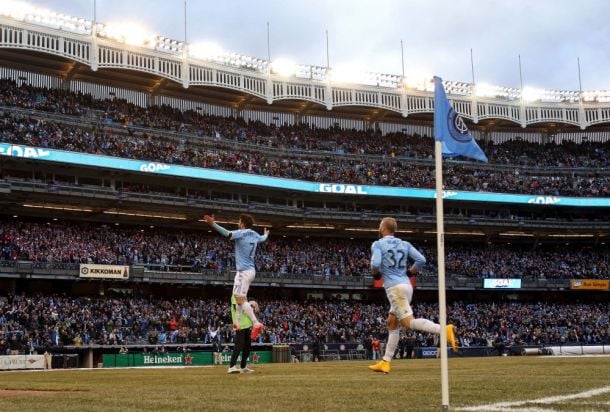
[185, 38]
[402, 55]
[448, 127]
[327, 52]
[472, 67]
[268, 44]
[579, 81]
[440, 245]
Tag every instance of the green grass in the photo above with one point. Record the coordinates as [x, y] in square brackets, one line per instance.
[327, 386]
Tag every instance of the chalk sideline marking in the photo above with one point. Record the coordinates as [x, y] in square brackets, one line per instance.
[508, 406]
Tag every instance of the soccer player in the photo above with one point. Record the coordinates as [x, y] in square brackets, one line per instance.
[246, 241]
[242, 343]
[389, 260]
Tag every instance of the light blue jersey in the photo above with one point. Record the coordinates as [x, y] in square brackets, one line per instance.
[389, 256]
[246, 241]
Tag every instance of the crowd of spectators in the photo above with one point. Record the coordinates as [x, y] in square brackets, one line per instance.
[388, 172]
[53, 320]
[544, 262]
[88, 243]
[391, 170]
[64, 242]
[57, 320]
[300, 137]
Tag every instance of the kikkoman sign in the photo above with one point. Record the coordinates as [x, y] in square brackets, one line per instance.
[104, 271]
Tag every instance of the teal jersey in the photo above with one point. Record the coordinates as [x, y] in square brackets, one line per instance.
[390, 256]
[246, 241]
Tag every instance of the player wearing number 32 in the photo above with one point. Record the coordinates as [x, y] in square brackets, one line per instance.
[246, 241]
[389, 260]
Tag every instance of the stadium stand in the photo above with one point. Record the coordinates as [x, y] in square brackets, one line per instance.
[394, 168]
[314, 285]
[55, 320]
[193, 251]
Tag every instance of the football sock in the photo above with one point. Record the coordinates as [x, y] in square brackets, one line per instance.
[247, 309]
[425, 325]
[390, 348]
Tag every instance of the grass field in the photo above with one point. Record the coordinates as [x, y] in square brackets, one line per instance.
[413, 385]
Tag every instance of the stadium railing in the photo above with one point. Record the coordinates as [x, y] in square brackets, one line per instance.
[186, 274]
[105, 193]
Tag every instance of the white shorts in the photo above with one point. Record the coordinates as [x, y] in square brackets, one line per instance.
[400, 300]
[242, 281]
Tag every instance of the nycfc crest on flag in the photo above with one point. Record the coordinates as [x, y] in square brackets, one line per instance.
[457, 127]
[450, 128]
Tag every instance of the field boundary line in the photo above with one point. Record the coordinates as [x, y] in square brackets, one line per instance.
[107, 369]
[503, 406]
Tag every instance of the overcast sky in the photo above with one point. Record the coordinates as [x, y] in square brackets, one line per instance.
[438, 34]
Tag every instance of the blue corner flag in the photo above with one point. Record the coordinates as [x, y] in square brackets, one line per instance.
[450, 129]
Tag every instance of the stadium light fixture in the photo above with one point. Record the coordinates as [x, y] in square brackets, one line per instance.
[140, 214]
[17, 10]
[309, 227]
[349, 74]
[572, 235]
[486, 90]
[223, 222]
[58, 207]
[457, 233]
[206, 50]
[130, 33]
[419, 81]
[521, 234]
[284, 67]
[361, 229]
[23, 11]
[530, 94]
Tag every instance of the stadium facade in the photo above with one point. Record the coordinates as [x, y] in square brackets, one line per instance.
[74, 54]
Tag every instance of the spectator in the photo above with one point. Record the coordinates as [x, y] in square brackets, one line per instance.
[369, 162]
[313, 322]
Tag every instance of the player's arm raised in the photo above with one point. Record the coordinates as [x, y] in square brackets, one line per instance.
[264, 237]
[209, 219]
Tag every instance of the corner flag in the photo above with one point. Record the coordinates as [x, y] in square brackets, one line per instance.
[450, 129]
[452, 138]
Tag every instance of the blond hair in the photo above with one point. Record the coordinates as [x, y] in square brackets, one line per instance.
[389, 223]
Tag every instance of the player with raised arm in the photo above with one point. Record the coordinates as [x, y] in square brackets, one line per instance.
[389, 260]
[246, 241]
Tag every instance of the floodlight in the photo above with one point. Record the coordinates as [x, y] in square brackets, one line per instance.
[530, 94]
[206, 50]
[14, 9]
[284, 67]
[129, 33]
[348, 74]
[485, 90]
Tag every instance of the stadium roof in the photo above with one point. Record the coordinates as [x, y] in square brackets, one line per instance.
[159, 66]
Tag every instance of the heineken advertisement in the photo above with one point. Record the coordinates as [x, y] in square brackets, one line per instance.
[127, 360]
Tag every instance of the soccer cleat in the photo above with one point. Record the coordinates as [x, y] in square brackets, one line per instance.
[246, 370]
[234, 369]
[381, 366]
[256, 331]
[451, 337]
